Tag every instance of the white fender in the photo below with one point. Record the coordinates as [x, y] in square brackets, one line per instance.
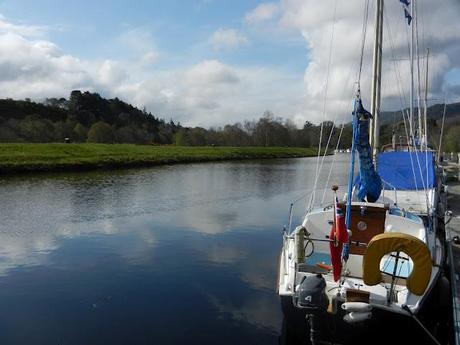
[357, 317]
[356, 307]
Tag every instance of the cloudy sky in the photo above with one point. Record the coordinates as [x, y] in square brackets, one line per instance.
[211, 62]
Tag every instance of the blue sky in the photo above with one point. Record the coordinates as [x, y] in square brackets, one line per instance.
[90, 29]
[211, 62]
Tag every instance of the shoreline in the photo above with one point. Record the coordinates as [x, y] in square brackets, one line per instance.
[36, 158]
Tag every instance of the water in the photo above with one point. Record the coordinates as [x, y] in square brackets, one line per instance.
[166, 255]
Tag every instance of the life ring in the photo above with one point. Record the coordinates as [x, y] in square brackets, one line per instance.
[383, 244]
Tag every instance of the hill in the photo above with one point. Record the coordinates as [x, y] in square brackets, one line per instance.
[434, 112]
[88, 117]
[83, 117]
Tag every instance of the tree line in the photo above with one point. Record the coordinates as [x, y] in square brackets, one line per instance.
[84, 117]
[88, 117]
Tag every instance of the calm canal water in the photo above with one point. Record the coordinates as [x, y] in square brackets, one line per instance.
[166, 255]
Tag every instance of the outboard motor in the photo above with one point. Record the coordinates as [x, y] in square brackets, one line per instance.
[311, 297]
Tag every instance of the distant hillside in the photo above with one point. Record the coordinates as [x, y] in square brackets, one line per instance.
[83, 117]
[87, 117]
[434, 112]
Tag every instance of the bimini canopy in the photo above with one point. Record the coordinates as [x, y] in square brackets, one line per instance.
[407, 170]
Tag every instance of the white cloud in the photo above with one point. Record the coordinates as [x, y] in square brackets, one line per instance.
[30, 68]
[149, 57]
[205, 93]
[111, 73]
[259, 312]
[263, 12]
[210, 72]
[227, 39]
[210, 92]
[140, 44]
[314, 20]
[23, 30]
[39, 69]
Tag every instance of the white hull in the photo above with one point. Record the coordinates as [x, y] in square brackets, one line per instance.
[318, 226]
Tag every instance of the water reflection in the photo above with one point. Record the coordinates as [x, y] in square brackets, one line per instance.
[165, 255]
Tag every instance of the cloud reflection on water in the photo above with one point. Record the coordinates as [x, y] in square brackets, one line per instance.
[145, 236]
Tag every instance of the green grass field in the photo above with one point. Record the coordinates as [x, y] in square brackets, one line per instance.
[55, 157]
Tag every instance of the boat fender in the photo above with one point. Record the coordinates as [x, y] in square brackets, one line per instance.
[300, 234]
[360, 307]
[354, 317]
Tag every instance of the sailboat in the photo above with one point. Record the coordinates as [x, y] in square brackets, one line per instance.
[375, 256]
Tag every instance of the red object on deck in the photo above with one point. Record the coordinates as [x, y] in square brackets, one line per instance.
[338, 236]
[336, 254]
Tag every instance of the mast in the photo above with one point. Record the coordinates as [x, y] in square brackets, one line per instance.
[411, 106]
[420, 131]
[374, 126]
[426, 98]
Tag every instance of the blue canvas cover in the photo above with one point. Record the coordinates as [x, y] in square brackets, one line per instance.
[396, 169]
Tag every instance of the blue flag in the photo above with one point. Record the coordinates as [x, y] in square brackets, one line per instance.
[407, 14]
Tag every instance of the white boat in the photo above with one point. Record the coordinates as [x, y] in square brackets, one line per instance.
[377, 256]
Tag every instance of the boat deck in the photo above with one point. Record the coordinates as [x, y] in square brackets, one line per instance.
[454, 228]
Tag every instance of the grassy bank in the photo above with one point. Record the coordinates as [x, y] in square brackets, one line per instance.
[70, 157]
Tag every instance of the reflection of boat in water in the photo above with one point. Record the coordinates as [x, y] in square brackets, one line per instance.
[374, 261]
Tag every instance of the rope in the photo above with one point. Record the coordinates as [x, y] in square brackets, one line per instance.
[363, 39]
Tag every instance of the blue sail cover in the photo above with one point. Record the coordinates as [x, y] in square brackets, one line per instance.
[407, 170]
[369, 183]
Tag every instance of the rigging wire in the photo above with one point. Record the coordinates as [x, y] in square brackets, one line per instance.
[334, 18]
[363, 42]
[402, 95]
[409, 136]
[442, 125]
[424, 182]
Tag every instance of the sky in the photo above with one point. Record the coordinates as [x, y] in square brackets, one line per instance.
[212, 62]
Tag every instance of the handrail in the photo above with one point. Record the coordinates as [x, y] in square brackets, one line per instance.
[394, 188]
[302, 197]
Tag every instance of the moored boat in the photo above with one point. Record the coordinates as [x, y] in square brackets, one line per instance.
[375, 256]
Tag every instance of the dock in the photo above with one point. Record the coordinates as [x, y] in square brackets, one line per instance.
[453, 230]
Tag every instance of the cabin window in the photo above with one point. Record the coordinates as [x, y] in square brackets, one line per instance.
[404, 265]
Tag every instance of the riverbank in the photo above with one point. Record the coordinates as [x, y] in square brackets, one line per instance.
[73, 157]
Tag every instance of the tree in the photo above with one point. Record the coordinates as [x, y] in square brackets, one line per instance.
[179, 137]
[80, 132]
[101, 132]
[63, 130]
[36, 130]
[452, 139]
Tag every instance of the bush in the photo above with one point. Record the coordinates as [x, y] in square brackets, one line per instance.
[101, 132]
